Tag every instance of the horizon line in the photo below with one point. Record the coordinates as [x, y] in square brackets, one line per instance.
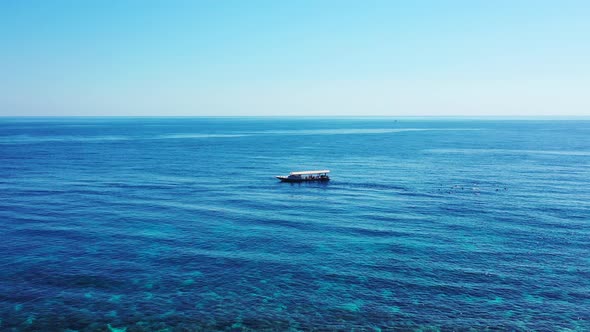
[300, 116]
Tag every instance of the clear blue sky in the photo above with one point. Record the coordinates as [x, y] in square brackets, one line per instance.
[399, 58]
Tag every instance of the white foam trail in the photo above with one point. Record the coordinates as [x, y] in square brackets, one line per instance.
[183, 136]
[26, 139]
[353, 131]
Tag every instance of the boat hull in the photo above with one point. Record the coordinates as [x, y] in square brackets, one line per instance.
[286, 179]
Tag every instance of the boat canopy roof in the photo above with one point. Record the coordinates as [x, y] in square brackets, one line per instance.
[310, 172]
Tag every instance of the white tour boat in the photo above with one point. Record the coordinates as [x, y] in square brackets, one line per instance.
[304, 176]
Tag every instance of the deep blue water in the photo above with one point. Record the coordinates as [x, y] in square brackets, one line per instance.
[178, 224]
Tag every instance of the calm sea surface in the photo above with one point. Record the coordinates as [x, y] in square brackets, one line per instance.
[178, 224]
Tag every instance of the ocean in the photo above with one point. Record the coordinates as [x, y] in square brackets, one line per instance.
[178, 224]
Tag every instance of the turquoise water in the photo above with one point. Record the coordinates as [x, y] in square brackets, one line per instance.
[151, 224]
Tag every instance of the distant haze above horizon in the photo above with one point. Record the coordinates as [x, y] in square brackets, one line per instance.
[297, 58]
